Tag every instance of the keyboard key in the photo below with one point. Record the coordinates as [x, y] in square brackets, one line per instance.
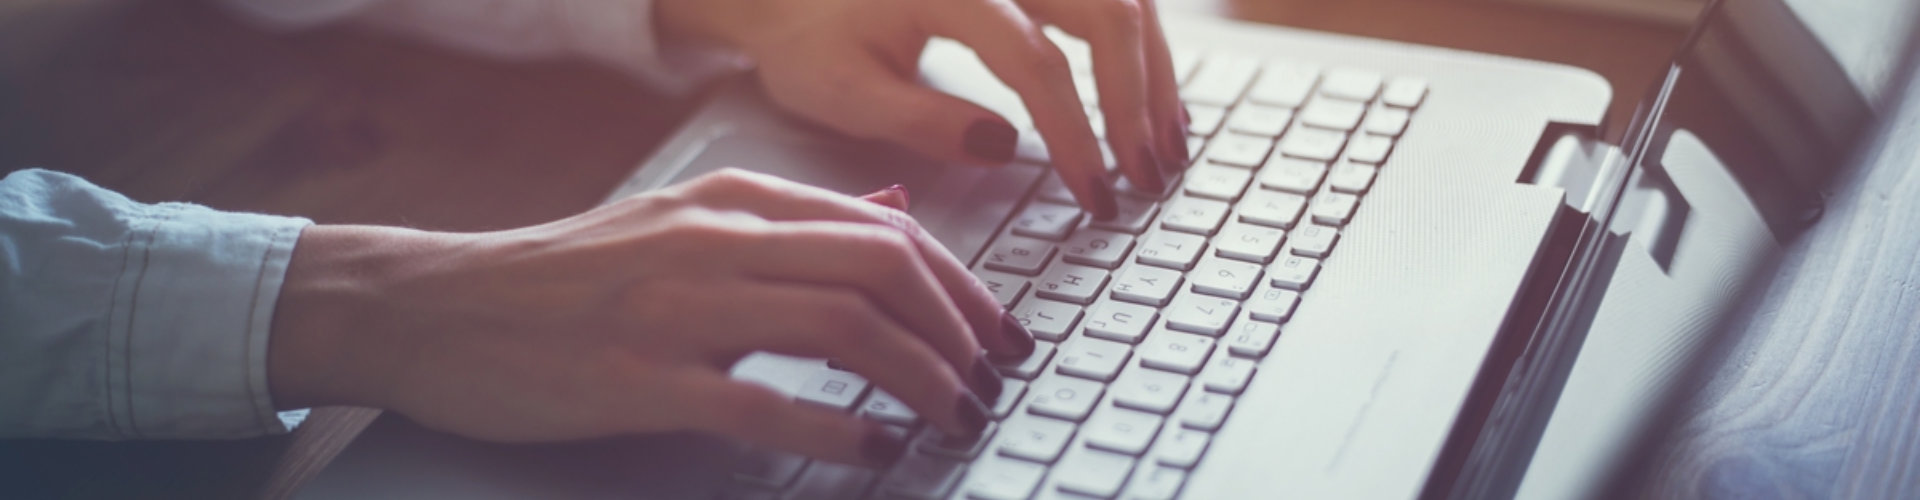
[1047, 221]
[1148, 285]
[1292, 175]
[830, 480]
[884, 407]
[1191, 312]
[1388, 122]
[1023, 256]
[1071, 283]
[1195, 145]
[1313, 143]
[1093, 472]
[1352, 178]
[1273, 304]
[1001, 479]
[1067, 398]
[1176, 352]
[769, 468]
[1184, 62]
[1127, 189]
[1031, 148]
[1053, 190]
[1204, 410]
[1203, 119]
[1333, 209]
[1224, 278]
[1369, 149]
[1171, 250]
[1097, 248]
[1220, 80]
[1180, 447]
[1272, 208]
[1194, 215]
[1093, 358]
[1333, 114]
[1029, 368]
[1351, 84]
[1006, 288]
[1252, 339]
[1157, 483]
[1036, 438]
[1148, 390]
[1248, 242]
[1228, 374]
[1011, 392]
[1132, 216]
[833, 389]
[1257, 120]
[1293, 273]
[1284, 84]
[937, 442]
[1048, 320]
[1239, 150]
[924, 476]
[1217, 181]
[1121, 430]
[1119, 321]
[1405, 92]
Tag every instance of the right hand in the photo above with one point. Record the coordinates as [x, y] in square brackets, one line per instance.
[626, 319]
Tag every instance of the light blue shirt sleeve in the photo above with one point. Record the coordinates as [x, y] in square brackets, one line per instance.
[125, 320]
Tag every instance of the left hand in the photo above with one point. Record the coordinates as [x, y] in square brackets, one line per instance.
[851, 65]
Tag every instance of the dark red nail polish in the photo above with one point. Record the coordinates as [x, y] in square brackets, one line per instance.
[990, 141]
[1017, 336]
[984, 380]
[882, 447]
[972, 415]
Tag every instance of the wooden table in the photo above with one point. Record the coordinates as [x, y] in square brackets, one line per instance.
[174, 100]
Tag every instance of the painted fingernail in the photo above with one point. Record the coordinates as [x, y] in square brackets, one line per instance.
[1017, 336]
[882, 447]
[990, 140]
[984, 380]
[902, 191]
[972, 415]
[1155, 182]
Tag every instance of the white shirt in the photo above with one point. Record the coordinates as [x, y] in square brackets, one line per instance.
[124, 320]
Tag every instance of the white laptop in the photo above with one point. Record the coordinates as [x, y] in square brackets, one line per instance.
[1378, 294]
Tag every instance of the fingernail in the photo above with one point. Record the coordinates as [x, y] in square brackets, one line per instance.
[1102, 206]
[990, 140]
[1177, 139]
[1155, 182]
[985, 381]
[1017, 336]
[972, 415]
[905, 200]
[881, 447]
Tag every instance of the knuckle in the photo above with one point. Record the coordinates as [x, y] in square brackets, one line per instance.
[1046, 61]
[1124, 15]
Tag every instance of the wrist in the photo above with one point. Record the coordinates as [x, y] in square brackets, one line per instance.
[336, 338]
[725, 24]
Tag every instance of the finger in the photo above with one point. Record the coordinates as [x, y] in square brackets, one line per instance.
[845, 326]
[1113, 29]
[894, 197]
[865, 99]
[1015, 49]
[1004, 337]
[763, 417]
[1163, 90]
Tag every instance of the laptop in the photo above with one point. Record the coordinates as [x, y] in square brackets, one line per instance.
[1373, 282]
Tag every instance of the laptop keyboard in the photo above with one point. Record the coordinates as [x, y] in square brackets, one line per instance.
[1150, 324]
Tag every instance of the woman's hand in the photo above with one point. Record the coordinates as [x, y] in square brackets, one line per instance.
[851, 64]
[625, 319]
